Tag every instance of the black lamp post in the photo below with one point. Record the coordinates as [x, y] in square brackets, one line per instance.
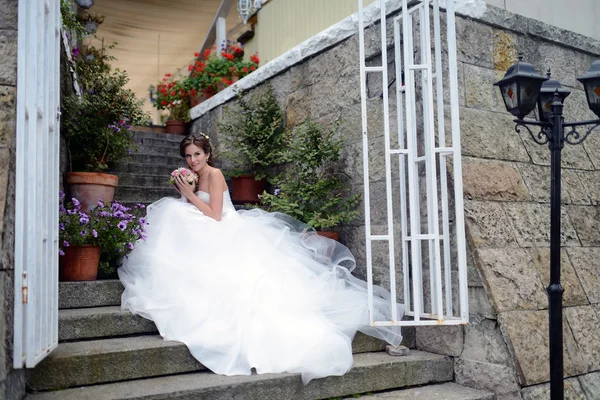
[522, 87]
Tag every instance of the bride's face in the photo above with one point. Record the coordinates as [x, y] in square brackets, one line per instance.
[195, 157]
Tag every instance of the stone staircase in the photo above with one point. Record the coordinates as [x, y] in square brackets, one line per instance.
[144, 175]
[107, 353]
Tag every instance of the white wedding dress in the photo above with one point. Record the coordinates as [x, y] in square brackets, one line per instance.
[254, 290]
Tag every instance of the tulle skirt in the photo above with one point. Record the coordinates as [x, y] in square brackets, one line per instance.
[254, 290]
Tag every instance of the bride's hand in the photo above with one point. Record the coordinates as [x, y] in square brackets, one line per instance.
[184, 188]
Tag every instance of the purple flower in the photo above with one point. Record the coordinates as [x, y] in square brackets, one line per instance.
[119, 214]
[62, 210]
[66, 244]
[83, 233]
[94, 233]
[122, 225]
[75, 51]
[61, 226]
[61, 195]
[140, 205]
[143, 236]
[142, 221]
[130, 245]
[84, 220]
[60, 252]
[100, 203]
[71, 212]
[277, 191]
[105, 214]
[76, 203]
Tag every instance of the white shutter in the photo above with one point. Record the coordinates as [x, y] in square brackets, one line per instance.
[37, 177]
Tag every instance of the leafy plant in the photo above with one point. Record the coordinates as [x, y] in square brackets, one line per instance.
[172, 96]
[210, 73]
[69, 20]
[254, 135]
[119, 228]
[312, 188]
[111, 226]
[97, 124]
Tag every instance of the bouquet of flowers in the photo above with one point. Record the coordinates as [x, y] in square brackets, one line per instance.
[187, 175]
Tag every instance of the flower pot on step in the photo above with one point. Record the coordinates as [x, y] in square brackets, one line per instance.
[176, 127]
[80, 263]
[245, 189]
[89, 187]
[199, 98]
[331, 235]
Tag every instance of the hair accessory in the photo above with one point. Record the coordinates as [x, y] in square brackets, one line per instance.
[204, 135]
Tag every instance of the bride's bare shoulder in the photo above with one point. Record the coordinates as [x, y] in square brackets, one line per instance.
[216, 176]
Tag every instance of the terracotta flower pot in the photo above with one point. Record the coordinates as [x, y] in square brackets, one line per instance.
[199, 98]
[80, 263]
[331, 235]
[89, 187]
[176, 127]
[245, 189]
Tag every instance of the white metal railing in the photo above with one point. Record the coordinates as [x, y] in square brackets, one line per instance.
[414, 60]
[37, 179]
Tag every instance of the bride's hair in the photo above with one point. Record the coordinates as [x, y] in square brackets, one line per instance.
[201, 140]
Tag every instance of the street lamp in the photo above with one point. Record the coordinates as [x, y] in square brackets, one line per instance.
[522, 87]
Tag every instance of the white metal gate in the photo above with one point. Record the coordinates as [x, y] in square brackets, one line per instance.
[37, 179]
[429, 249]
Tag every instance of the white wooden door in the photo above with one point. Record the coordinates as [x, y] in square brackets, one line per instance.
[431, 246]
[37, 179]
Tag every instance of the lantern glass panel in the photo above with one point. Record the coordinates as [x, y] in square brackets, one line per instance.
[528, 95]
[509, 94]
[592, 91]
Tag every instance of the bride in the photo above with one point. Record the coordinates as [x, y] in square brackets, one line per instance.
[247, 289]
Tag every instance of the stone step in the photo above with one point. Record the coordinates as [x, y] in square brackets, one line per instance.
[444, 391]
[156, 159]
[100, 322]
[143, 195]
[89, 294]
[171, 150]
[110, 360]
[143, 180]
[371, 372]
[141, 137]
[145, 168]
[104, 322]
[70, 364]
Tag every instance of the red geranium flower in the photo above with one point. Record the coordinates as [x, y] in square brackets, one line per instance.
[255, 59]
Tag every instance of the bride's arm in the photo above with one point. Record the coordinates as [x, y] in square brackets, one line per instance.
[217, 186]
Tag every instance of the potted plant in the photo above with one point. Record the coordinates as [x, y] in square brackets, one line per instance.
[78, 243]
[89, 242]
[97, 125]
[90, 22]
[172, 96]
[311, 188]
[253, 141]
[209, 74]
[119, 228]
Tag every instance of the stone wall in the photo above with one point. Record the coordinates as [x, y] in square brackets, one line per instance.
[12, 382]
[506, 194]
